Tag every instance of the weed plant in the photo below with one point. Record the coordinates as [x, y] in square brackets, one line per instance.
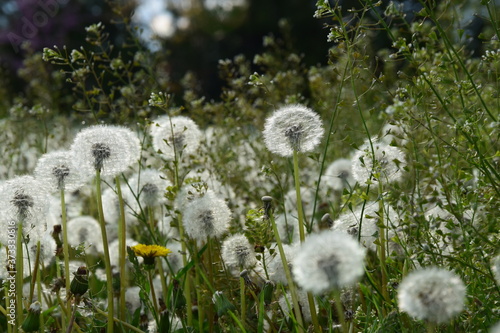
[234, 237]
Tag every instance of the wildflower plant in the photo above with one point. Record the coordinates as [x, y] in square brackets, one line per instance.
[432, 294]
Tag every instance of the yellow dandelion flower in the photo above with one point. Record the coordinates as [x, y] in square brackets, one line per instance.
[149, 252]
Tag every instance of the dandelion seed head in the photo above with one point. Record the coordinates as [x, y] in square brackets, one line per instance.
[57, 172]
[112, 212]
[175, 135]
[393, 133]
[109, 149]
[237, 252]
[23, 200]
[388, 166]
[86, 231]
[293, 128]
[338, 175]
[114, 250]
[275, 265]
[206, 216]
[288, 228]
[328, 260]
[362, 223]
[149, 186]
[100, 152]
[432, 294]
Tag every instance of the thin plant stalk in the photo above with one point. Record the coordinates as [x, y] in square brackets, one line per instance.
[122, 236]
[288, 274]
[243, 300]
[64, 222]
[211, 280]
[7, 298]
[236, 320]
[35, 272]
[340, 310]
[107, 261]
[72, 320]
[300, 213]
[36, 280]
[39, 293]
[163, 280]
[382, 254]
[187, 283]
[127, 325]
[65, 243]
[19, 275]
[153, 293]
[198, 290]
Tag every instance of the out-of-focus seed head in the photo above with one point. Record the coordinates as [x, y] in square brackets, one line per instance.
[293, 128]
[328, 260]
[432, 294]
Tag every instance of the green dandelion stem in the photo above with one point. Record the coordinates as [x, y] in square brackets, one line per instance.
[237, 321]
[122, 236]
[35, 272]
[7, 298]
[153, 293]
[382, 252]
[340, 311]
[39, 294]
[64, 222]
[163, 280]
[242, 300]
[300, 213]
[65, 243]
[288, 274]
[187, 283]
[118, 321]
[19, 275]
[107, 261]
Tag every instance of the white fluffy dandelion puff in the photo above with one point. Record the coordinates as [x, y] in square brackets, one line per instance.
[385, 163]
[275, 266]
[362, 223]
[149, 186]
[109, 149]
[56, 171]
[85, 231]
[23, 200]
[293, 128]
[328, 260]
[206, 216]
[175, 135]
[432, 294]
[237, 252]
[338, 175]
